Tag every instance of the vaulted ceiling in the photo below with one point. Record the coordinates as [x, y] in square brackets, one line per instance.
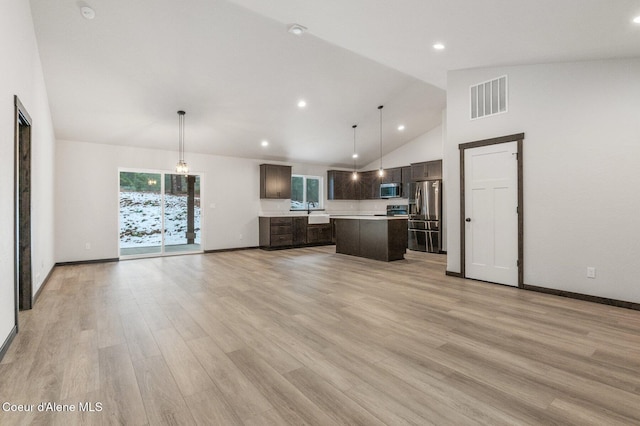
[233, 66]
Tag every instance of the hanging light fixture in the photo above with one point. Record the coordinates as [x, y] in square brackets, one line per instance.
[181, 167]
[381, 170]
[355, 154]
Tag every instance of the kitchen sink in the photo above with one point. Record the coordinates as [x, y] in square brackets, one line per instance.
[316, 218]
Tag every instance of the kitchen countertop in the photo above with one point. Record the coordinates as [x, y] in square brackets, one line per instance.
[369, 217]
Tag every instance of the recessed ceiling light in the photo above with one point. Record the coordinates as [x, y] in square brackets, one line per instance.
[264, 143]
[438, 46]
[297, 29]
[354, 155]
[401, 127]
[302, 103]
[87, 12]
[636, 20]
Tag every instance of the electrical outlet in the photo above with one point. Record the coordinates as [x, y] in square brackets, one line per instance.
[240, 236]
[87, 246]
[591, 272]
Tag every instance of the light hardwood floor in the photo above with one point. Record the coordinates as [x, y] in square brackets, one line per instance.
[306, 336]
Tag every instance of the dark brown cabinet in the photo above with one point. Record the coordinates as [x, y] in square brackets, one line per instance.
[342, 186]
[392, 175]
[406, 181]
[275, 181]
[292, 231]
[426, 171]
[369, 185]
[299, 231]
[276, 232]
[319, 234]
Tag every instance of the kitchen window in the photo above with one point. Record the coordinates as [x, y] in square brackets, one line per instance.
[306, 192]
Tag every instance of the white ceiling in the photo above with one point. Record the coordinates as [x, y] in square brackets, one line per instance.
[232, 65]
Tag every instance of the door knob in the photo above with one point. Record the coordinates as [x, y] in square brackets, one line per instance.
[468, 219]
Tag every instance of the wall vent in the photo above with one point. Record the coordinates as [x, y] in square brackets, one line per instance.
[489, 98]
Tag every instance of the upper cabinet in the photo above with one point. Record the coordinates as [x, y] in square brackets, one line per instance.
[342, 186]
[369, 185]
[392, 175]
[275, 181]
[426, 171]
[406, 181]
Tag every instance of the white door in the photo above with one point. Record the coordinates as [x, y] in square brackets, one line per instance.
[491, 217]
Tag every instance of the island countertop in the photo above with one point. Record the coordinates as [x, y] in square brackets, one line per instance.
[369, 217]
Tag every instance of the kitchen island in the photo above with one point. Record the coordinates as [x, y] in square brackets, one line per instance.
[374, 237]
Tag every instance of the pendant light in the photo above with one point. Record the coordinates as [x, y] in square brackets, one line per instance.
[181, 167]
[381, 170]
[355, 154]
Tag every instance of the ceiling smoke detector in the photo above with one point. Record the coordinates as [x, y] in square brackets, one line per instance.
[297, 29]
[87, 12]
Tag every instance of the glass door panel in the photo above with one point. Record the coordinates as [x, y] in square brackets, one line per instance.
[182, 213]
[140, 213]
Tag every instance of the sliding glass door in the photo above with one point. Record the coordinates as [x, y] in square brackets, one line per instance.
[159, 214]
[181, 213]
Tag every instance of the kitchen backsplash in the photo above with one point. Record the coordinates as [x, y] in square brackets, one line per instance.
[283, 207]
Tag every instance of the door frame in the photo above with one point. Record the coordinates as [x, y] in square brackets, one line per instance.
[23, 285]
[519, 138]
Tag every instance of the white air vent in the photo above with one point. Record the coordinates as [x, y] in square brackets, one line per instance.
[489, 98]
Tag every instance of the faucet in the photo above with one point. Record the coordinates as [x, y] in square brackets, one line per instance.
[309, 205]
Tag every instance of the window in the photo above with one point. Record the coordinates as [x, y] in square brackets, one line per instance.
[306, 192]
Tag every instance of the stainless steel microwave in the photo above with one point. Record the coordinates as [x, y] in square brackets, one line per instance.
[390, 190]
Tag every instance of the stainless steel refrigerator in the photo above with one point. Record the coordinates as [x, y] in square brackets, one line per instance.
[425, 214]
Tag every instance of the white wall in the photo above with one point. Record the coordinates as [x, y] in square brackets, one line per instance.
[426, 147]
[87, 193]
[87, 197]
[21, 73]
[581, 154]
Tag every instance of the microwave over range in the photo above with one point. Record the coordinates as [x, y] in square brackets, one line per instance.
[390, 190]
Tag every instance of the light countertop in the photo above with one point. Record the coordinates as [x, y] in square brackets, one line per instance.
[369, 217]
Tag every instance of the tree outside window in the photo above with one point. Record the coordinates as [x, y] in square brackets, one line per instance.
[306, 192]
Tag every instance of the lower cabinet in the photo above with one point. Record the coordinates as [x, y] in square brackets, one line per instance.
[276, 232]
[292, 231]
[320, 234]
[299, 231]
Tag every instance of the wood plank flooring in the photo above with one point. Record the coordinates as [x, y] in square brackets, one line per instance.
[308, 336]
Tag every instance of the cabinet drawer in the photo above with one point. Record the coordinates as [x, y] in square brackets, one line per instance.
[280, 229]
[281, 240]
[281, 221]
